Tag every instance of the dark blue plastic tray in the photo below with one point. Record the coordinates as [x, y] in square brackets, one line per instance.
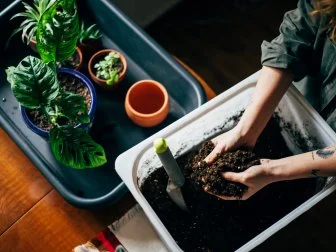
[91, 188]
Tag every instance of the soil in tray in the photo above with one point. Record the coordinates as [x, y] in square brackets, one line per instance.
[217, 225]
[67, 83]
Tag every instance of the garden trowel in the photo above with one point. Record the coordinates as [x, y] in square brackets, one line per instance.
[176, 178]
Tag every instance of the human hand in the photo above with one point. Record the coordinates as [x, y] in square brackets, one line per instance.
[229, 141]
[255, 178]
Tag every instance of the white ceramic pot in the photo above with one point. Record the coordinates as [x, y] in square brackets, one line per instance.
[134, 165]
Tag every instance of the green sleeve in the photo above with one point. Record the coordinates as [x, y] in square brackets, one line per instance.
[293, 48]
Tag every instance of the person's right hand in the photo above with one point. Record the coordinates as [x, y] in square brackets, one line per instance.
[255, 178]
[229, 141]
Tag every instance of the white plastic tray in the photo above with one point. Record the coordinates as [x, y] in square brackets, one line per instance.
[134, 165]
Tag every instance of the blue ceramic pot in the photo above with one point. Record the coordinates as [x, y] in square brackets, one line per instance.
[85, 80]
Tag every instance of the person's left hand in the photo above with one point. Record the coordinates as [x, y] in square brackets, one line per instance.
[255, 178]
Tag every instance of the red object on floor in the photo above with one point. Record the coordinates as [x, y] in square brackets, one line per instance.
[109, 241]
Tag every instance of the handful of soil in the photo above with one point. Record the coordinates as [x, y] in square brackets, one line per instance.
[210, 175]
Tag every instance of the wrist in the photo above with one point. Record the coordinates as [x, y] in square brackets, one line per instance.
[276, 170]
[246, 138]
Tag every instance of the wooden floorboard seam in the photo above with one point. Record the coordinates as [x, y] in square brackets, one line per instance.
[23, 215]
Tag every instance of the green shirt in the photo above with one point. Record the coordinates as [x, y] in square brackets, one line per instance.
[305, 48]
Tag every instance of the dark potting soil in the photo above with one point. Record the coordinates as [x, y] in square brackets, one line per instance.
[67, 83]
[216, 225]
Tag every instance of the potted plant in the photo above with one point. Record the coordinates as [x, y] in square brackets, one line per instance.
[32, 15]
[89, 38]
[42, 91]
[28, 27]
[107, 68]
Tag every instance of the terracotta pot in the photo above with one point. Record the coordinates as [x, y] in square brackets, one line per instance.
[77, 67]
[147, 103]
[99, 56]
[80, 55]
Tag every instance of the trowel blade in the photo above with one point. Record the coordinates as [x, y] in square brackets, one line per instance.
[176, 195]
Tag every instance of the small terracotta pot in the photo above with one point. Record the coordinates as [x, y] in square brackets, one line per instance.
[80, 64]
[80, 55]
[147, 103]
[99, 56]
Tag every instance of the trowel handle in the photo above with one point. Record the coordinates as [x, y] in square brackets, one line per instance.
[168, 161]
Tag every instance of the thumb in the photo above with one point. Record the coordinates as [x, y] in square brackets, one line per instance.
[212, 156]
[232, 176]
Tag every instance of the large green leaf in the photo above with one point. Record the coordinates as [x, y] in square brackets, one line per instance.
[58, 31]
[33, 82]
[71, 106]
[75, 148]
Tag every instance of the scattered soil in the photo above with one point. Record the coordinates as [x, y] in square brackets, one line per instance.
[72, 62]
[67, 83]
[209, 176]
[216, 225]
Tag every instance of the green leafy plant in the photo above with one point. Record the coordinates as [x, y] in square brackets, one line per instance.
[58, 31]
[109, 68]
[32, 15]
[35, 85]
[88, 33]
[76, 148]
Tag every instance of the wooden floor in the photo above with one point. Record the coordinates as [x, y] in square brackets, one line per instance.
[33, 217]
[221, 41]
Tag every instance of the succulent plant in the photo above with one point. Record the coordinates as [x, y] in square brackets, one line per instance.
[109, 68]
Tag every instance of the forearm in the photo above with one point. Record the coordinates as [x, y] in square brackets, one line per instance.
[315, 163]
[271, 86]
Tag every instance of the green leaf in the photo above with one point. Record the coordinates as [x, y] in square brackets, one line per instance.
[57, 31]
[31, 15]
[34, 84]
[10, 74]
[92, 32]
[72, 106]
[113, 78]
[75, 148]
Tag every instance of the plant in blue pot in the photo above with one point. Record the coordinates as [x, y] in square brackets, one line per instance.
[58, 104]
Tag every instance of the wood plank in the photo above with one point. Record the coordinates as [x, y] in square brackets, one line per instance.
[22, 186]
[54, 225]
